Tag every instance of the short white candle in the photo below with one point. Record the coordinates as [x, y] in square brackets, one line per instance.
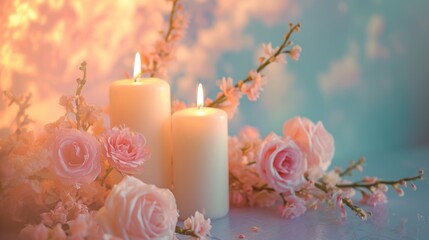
[144, 105]
[200, 160]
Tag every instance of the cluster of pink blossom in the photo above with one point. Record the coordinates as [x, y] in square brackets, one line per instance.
[292, 170]
[155, 59]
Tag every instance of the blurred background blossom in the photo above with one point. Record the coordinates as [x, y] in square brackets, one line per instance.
[363, 69]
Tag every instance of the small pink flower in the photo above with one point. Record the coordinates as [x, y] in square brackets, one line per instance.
[374, 198]
[269, 52]
[232, 94]
[281, 163]
[295, 52]
[125, 150]
[135, 210]
[294, 207]
[313, 139]
[74, 156]
[35, 232]
[253, 89]
[200, 226]
[337, 199]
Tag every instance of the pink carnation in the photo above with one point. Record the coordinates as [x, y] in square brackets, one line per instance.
[135, 210]
[313, 139]
[125, 150]
[281, 163]
[294, 207]
[74, 156]
[200, 226]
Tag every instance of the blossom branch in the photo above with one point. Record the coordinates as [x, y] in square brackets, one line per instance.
[21, 119]
[153, 62]
[222, 97]
[352, 166]
[344, 200]
[370, 185]
[80, 83]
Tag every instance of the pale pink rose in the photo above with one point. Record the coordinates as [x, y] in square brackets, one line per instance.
[313, 139]
[294, 207]
[125, 150]
[75, 156]
[295, 52]
[374, 198]
[135, 210]
[36, 232]
[281, 163]
[200, 226]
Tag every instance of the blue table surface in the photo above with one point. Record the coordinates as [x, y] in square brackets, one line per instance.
[401, 218]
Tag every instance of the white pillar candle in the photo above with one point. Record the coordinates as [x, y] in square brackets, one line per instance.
[144, 105]
[200, 160]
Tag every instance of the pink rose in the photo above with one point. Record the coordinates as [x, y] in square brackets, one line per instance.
[200, 226]
[313, 139]
[281, 163]
[135, 210]
[294, 207]
[75, 156]
[125, 150]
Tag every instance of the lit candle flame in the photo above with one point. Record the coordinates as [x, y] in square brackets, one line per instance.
[200, 96]
[137, 67]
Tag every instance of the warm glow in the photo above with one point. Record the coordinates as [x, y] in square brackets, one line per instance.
[137, 66]
[200, 96]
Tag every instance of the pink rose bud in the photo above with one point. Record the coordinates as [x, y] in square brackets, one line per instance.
[74, 156]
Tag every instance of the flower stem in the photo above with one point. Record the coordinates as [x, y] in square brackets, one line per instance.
[347, 201]
[108, 171]
[351, 167]
[167, 35]
[222, 97]
[359, 184]
[80, 83]
[187, 232]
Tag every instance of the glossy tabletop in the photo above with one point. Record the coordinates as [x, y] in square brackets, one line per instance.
[401, 218]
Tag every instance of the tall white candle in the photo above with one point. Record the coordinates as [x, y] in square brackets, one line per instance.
[144, 105]
[200, 160]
